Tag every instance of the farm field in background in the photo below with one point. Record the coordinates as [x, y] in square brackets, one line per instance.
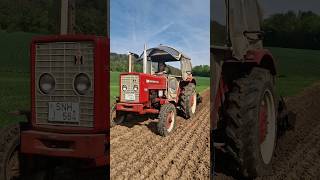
[203, 83]
[298, 68]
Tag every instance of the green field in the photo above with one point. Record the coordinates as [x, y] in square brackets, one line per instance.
[203, 83]
[298, 69]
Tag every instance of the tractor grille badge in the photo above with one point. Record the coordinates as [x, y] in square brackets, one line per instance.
[152, 81]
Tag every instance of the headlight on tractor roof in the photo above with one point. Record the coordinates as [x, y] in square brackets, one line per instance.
[82, 83]
[47, 83]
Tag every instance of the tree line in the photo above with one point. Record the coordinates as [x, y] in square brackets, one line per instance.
[293, 30]
[299, 30]
[119, 63]
[42, 16]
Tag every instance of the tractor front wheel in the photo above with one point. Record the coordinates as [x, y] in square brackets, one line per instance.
[9, 153]
[116, 118]
[167, 118]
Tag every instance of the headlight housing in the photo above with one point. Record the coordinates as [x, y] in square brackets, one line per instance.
[135, 88]
[124, 87]
[47, 83]
[82, 83]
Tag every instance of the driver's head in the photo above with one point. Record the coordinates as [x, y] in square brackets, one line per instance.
[162, 66]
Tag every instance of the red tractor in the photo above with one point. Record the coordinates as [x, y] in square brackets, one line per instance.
[68, 124]
[247, 114]
[156, 91]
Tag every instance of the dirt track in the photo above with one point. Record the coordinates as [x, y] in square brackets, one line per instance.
[297, 155]
[137, 152]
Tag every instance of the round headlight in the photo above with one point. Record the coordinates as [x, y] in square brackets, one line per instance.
[135, 88]
[124, 88]
[46, 83]
[82, 83]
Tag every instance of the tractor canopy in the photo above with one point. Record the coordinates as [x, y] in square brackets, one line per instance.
[168, 54]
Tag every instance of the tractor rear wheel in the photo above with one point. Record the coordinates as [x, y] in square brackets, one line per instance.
[188, 100]
[249, 126]
[116, 118]
[9, 152]
[167, 119]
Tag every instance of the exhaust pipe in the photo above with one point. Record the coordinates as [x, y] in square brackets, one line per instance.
[130, 62]
[145, 59]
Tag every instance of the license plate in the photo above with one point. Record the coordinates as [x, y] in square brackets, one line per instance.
[63, 112]
[129, 97]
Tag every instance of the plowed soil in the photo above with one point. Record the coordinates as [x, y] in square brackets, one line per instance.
[138, 152]
[297, 154]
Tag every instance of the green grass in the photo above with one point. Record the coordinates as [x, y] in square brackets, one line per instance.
[203, 83]
[14, 95]
[14, 49]
[297, 69]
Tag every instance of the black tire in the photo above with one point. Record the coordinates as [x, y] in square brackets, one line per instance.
[116, 118]
[164, 127]
[244, 155]
[9, 148]
[187, 93]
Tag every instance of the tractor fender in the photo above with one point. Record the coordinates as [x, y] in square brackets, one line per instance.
[262, 58]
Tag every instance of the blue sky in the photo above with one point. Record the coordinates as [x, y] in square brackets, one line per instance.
[183, 24]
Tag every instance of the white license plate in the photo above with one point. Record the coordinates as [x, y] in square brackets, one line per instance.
[63, 112]
[129, 97]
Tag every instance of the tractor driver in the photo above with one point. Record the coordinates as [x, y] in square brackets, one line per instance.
[163, 69]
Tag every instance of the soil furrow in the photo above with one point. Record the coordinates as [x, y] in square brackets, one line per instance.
[137, 152]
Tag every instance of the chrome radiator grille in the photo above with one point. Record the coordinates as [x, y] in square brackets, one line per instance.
[130, 81]
[58, 59]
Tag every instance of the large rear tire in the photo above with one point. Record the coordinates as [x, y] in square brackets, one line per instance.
[249, 126]
[188, 100]
[167, 119]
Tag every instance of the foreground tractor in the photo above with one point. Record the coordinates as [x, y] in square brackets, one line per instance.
[157, 91]
[246, 110]
[67, 133]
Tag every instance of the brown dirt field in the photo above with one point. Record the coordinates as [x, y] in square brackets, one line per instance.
[297, 154]
[137, 152]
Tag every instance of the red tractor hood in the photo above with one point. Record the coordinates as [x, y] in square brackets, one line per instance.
[147, 82]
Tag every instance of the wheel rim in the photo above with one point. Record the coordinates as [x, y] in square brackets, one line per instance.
[170, 121]
[193, 103]
[13, 166]
[267, 126]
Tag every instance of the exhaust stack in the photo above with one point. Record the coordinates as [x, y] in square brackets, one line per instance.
[130, 61]
[145, 59]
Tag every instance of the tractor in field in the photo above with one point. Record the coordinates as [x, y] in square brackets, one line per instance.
[246, 112]
[156, 91]
[67, 132]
